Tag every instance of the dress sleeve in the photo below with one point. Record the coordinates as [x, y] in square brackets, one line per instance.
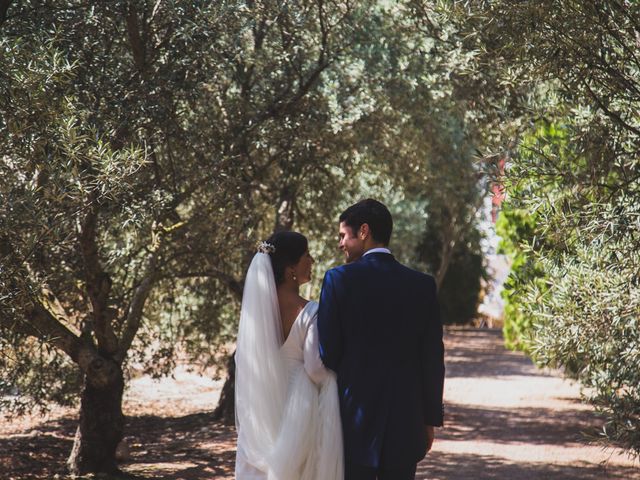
[311, 352]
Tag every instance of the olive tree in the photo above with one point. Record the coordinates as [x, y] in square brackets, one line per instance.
[145, 147]
[575, 174]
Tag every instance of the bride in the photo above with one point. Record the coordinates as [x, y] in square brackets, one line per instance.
[287, 413]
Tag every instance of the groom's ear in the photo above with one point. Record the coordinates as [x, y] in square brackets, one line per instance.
[364, 231]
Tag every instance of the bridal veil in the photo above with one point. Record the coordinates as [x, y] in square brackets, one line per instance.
[261, 382]
[288, 427]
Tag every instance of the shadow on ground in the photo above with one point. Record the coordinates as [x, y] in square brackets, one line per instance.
[189, 447]
[39, 453]
[475, 355]
[194, 447]
[533, 426]
[443, 466]
[172, 448]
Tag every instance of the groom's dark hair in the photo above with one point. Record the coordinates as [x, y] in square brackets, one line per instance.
[373, 213]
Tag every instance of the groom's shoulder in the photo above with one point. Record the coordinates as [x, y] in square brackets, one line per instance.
[417, 275]
[341, 269]
[345, 270]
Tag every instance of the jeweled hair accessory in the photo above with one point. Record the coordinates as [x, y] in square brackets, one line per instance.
[266, 247]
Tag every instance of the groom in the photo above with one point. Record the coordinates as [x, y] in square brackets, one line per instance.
[380, 331]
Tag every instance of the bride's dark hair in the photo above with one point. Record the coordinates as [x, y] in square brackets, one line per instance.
[289, 248]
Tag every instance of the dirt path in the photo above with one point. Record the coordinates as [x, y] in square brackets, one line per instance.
[505, 420]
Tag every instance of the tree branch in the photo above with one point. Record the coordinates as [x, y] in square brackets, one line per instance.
[98, 283]
[42, 324]
[234, 285]
[44, 316]
[610, 113]
[136, 308]
[133, 31]
[133, 315]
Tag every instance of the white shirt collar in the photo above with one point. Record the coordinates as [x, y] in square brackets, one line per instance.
[377, 250]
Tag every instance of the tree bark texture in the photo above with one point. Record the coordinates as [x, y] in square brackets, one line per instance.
[101, 424]
[225, 411]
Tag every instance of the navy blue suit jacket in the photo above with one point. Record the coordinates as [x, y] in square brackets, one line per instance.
[380, 331]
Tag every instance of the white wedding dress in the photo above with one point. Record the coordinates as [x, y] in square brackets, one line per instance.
[287, 411]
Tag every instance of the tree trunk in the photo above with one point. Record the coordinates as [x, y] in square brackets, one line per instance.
[285, 210]
[225, 411]
[449, 241]
[101, 420]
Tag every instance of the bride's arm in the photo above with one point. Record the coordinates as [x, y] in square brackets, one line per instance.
[311, 351]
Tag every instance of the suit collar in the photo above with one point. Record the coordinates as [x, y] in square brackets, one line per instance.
[377, 256]
[377, 250]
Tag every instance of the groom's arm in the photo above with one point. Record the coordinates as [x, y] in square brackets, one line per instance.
[329, 330]
[433, 362]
